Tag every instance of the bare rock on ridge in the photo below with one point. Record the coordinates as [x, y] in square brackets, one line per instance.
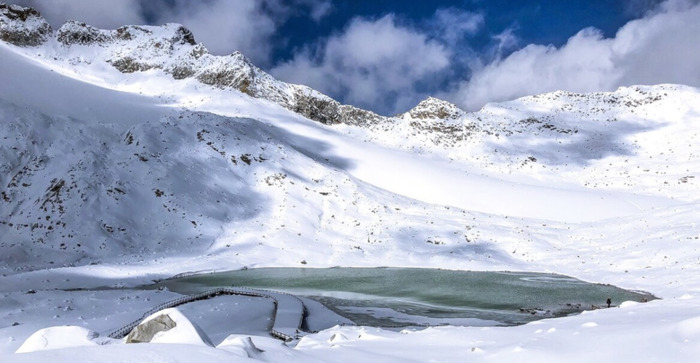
[22, 26]
[434, 108]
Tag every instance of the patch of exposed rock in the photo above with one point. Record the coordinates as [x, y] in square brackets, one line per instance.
[433, 108]
[326, 110]
[74, 32]
[144, 332]
[238, 72]
[22, 26]
[168, 326]
[132, 48]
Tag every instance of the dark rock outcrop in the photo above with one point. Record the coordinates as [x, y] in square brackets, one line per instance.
[144, 332]
[433, 108]
[22, 26]
[74, 32]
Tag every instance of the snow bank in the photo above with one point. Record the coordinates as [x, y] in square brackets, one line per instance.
[167, 326]
[241, 345]
[59, 337]
[688, 331]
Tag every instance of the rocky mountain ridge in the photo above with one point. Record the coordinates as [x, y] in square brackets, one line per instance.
[172, 48]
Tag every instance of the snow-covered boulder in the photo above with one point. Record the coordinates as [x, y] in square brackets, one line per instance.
[688, 331]
[241, 345]
[22, 26]
[59, 337]
[168, 326]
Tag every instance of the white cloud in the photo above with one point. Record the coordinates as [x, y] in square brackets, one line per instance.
[248, 26]
[505, 42]
[318, 9]
[452, 25]
[225, 26]
[660, 48]
[375, 64]
[640, 7]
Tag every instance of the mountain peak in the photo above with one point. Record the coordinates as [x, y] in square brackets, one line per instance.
[434, 108]
[74, 32]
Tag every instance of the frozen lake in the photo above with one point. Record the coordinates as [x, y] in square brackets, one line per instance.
[398, 297]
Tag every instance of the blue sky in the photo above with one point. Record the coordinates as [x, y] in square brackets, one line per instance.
[387, 55]
[542, 22]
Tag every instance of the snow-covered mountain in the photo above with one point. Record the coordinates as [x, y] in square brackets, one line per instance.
[134, 153]
[146, 182]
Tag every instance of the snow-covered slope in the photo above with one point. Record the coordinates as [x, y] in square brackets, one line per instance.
[598, 140]
[124, 160]
[149, 181]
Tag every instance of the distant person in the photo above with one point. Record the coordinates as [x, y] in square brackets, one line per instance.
[608, 301]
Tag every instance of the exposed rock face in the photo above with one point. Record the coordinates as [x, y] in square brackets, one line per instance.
[321, 108]
[234, 71]
[144, 332]
[357, 116]
[168, 326]
[22, 26]
[74, 32]
[238, 72]
[325, 111]
[135, 48]
[130, 65]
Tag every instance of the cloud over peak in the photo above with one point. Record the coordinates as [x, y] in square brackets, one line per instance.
[369, 62]
[663, 47]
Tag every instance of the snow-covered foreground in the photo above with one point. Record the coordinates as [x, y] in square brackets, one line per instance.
[114, 179]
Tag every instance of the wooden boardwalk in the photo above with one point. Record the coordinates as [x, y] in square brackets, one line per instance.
[288, 319]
